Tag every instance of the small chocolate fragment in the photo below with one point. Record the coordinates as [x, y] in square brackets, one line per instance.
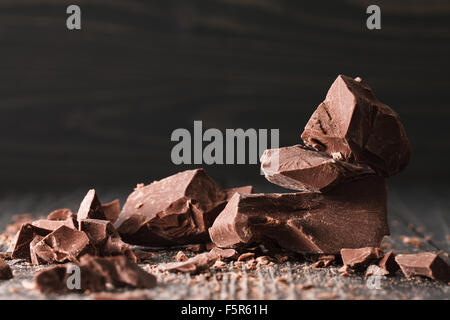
[224, 253]
[112, 210]
[63, 244]
[361, 257]
[353, 122]
[90, 207]
[195, 264]
[301, 168]
[52, 225]
[174, 210]
[60, 215]
[351, 215]
[21, 248]
[181, 256]
[114, 246]
[119, 271]
[324, 261]
[426, 264]
[388, 263]
[56, 279]
[34, 257]
[5, 270]
[97, 230]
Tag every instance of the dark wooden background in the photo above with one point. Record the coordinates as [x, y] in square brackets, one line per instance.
[96, 107]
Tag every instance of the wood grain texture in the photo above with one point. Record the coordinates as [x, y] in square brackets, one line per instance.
[97, 106]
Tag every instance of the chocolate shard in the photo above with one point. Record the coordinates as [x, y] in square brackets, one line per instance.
[61, 214]
[119, 271]
[174, 210]
[52, 225]
[63, 244]
[361, 257]
[26, 234]
[195, 264]
[388, 263]
[426, 264]
[302, 168]
[56, 279]
[352, 215]
[224, 253]
[97, 230]
[353, 122]
[91, 207]
[114, 246]
[5, 270]
[112, 210]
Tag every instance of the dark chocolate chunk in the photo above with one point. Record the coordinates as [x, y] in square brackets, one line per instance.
[426, 264]
[26, 234]
[361, 257]
[119, 271]
[388, 263]
[301, 168]
[112, 210]
[351, 215]
[55, 279]
[63, 244]
[90, 207]
[174, 210]
[97, 230]
[60, 215]
[224, 253]
[52, 225]
[353, 122]
[5, 270]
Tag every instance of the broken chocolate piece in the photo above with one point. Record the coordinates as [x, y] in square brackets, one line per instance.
[60, 215]
[5, 270]
[112, 210]
[21, 248]
[301, 168]
[354, 123]
[63, 244]
[90, 207]
[225, 253]
[195, 264]
[388, 263]
[352, 215]
[324, 261]
[361, 257]
[97, 230]
[52, 225]
[56, 279]
[119, 271]
[174, 210]
[426, 264]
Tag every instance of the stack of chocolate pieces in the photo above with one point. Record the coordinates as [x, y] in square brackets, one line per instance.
[350, 145]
